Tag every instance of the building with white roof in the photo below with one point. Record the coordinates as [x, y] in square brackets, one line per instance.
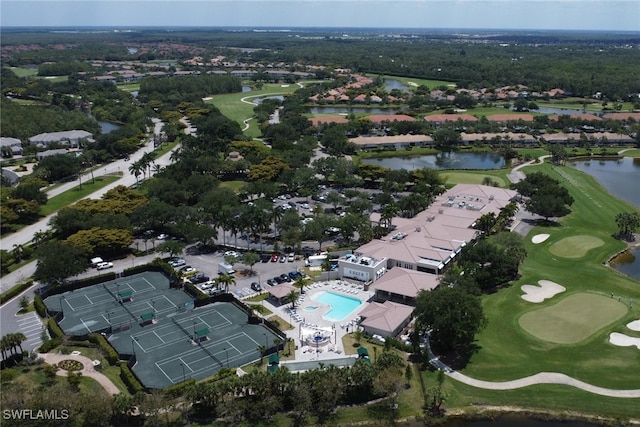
[68, 138]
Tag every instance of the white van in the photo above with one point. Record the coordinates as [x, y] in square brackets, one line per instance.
[224, 268]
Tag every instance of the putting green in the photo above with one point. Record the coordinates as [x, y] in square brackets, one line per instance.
[575, 246]
[573, 319]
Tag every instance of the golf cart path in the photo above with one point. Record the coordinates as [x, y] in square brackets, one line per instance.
[88, 370]
[543, 378]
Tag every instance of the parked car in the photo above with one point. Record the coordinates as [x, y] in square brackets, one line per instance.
[265, 257]
[279, 279]
[285, 278]
[283, 258]
[187, 269]
[177, 262]
[256, 286]
[274, 257]
[199, 278]
[233, 253]
[162, 236]
[291, 257]
[294, 275]
[271, 282]
[104, 265]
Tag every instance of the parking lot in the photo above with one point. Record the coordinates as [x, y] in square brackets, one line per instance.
[262, 271]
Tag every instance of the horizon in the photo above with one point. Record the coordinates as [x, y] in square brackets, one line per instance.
[435, 15]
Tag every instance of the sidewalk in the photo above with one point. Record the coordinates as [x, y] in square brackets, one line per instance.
[88, 369]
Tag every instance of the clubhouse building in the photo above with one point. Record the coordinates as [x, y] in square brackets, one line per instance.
[417, 250]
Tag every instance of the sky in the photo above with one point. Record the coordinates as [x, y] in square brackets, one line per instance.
[598, 15]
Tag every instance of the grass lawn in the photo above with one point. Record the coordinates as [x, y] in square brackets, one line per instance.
[547, 397]
[236, 186]
[68, 197]
[575, 246]
[507, 352]
[573, 318]
[234, 108]
[413, 83]
[476, 177]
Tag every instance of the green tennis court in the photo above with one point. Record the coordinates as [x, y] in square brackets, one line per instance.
[170, 340]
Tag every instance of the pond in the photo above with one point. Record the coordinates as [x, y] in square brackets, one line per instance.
[106, 127]
[628, 263]
[261, 100]
[349, 110]
[391, 84]
[619, 177]
[441, 161]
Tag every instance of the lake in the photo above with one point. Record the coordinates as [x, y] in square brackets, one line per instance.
[441, 161]
[391, 84]
[620, 178]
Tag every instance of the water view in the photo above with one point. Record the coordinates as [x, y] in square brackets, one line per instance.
[619, 177]
[442, 161]
[391, 84]
[628, 263]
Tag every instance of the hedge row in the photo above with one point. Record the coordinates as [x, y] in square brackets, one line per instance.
[38, 304]
[15, 291]
[79, 284]
[54, 329]
[109, 352]
[49, 345]
[130, 380]
[178, 389]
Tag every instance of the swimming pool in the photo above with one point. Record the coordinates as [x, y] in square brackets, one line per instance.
[341, 305]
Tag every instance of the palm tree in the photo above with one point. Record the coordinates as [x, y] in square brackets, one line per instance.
[136, 168]
[226, 280]
[386, 216]
[301, 282]
[292, 297]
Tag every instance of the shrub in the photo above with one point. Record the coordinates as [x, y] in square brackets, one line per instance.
[109, 352]
[179, 389]
[15, 291]
[38, 304]
[49, 345]
[54, 329]
[130, 380]
[8, 375]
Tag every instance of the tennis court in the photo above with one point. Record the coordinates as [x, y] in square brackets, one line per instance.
[118, 304]
[171, 341]
[195, 344]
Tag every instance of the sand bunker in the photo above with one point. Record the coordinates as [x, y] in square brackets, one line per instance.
[623, 340]
[537, 294]
[634, 326]
[539, 238]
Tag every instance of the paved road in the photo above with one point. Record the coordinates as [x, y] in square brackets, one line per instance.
[25, 235]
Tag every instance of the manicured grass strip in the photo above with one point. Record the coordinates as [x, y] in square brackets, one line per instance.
[545, 397]
[68, 197]
[469, 177]
[574, 318]
[575, 246]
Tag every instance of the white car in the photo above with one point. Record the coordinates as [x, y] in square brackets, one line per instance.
[104, 265]
[291, 257]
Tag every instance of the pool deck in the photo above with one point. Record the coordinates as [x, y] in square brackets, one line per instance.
[307, 323]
